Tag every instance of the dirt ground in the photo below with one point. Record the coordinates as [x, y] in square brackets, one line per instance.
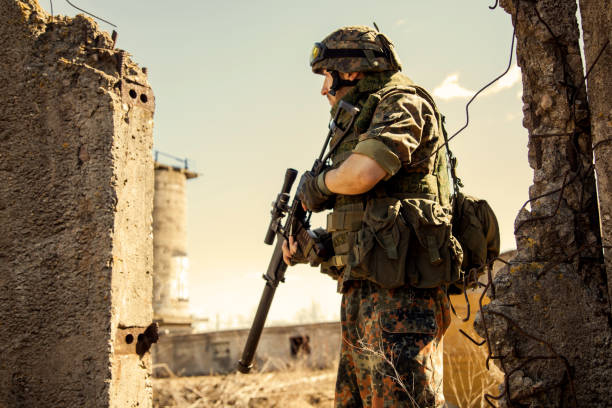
[302, 388]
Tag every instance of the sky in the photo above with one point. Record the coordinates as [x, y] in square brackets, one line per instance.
[235, 95]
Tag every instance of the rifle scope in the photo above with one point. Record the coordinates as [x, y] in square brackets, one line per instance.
[279, 207]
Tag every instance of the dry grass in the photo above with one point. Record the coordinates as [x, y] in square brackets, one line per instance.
[293, 388]
[465, 383]
[466, 380]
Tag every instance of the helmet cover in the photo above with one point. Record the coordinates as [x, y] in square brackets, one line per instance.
[354, 49]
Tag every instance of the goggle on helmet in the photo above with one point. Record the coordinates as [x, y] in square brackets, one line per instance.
[321, 52]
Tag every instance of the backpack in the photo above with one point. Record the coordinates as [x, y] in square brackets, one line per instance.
[474, 223]
[476, 228]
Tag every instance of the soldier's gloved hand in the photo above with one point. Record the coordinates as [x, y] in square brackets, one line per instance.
[313, 192]
[318, 249]
[291, 254]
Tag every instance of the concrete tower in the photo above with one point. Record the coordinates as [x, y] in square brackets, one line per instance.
[170, 263]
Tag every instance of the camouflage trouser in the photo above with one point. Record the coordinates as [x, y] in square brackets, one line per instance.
[391, 353]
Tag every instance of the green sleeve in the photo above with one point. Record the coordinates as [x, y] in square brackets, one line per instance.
[381, 153]
[400, 124]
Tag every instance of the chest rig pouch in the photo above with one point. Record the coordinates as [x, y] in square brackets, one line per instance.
[400, 235]
[405, 241]
[380, 251]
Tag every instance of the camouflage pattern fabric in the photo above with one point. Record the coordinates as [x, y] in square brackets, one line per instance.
[361, 38]
[391, 353]
[406, 125]
[402, 126]
[400, 133]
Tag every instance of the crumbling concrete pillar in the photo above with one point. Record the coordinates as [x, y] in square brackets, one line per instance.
[548, 326]
[170, 297]
[597, 29]
[76, 197]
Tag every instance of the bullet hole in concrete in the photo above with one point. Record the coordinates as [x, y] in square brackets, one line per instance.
[129, 339]
[143, 98]
[140, 338]
[133, 94]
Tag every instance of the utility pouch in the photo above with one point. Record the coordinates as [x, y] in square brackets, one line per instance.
[381, 245]
[435, 256]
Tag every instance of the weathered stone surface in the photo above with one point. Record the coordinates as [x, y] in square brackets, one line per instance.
[75, 214]
[597, 32]
[549, 320]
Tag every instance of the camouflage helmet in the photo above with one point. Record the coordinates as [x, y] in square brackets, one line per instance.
[354, 49]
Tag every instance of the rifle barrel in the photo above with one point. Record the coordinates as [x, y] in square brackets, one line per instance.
[275, 274]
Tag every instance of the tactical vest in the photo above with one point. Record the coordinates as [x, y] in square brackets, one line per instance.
[383, 234]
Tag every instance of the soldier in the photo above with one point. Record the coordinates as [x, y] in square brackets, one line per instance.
[390, 226]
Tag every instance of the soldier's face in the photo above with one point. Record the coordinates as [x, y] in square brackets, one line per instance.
[327, 83]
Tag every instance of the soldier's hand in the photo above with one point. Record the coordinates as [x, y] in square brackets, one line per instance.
[311, 192]
[289, 250]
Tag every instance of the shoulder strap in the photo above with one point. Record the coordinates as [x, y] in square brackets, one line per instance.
[352, 111]
[452, 160]
[374, 99]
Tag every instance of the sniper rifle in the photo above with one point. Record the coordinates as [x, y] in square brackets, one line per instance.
[297, 224]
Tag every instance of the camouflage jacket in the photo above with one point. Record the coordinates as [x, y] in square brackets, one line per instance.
[398, 128]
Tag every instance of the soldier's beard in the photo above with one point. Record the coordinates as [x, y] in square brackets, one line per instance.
[333, 99]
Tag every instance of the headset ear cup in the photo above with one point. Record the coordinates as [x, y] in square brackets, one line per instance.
[338, 82]
[335, 83]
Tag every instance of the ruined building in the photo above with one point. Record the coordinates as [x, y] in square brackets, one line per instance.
[76, 197]
[170, 266]
[314, 345]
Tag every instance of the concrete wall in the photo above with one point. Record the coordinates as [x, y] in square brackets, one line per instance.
[170, 297]
[549, 323]
[75, 215]
[597, 29]
[219, 352]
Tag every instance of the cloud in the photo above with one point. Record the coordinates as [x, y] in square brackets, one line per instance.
[450, 89]
[400, 22]
[512, 78]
